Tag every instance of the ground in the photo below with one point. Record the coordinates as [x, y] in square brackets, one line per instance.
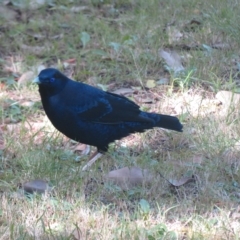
[174, 57]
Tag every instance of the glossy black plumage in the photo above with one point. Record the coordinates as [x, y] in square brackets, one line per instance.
[92, 116]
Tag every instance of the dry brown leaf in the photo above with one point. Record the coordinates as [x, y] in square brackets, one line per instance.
[80, 147]
[172, 59]
[181, 181]
[8, 14]
[77, 9]
[71, 60]
[26, 103]
[124, 91]
[32, 4]
[77, 234]
[128, 177]
[38, 186]
[83, 148]
[144, 97]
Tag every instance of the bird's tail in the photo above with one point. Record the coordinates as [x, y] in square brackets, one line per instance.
[166, 121]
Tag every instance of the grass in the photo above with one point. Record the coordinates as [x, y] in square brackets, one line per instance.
[115, 44]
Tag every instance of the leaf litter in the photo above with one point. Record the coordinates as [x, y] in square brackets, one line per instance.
[129, 177]
[173, 60]
[36, 186]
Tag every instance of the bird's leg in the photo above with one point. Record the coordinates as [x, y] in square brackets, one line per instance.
[96, 155]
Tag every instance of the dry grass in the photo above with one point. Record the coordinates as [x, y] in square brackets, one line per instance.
[123, 52]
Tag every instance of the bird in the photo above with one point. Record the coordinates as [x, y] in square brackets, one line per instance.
[92, 116]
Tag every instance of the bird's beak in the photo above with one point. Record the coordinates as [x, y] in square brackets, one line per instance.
[36, 80]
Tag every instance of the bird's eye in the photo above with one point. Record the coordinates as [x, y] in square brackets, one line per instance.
[52, 79]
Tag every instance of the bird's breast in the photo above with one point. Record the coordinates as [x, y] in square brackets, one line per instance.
[62, 116]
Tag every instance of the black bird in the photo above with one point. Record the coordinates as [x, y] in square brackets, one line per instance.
[92, 116]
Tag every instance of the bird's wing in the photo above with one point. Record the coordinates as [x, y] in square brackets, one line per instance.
[112, 109]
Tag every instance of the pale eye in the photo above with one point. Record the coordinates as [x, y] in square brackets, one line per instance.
[52, 79]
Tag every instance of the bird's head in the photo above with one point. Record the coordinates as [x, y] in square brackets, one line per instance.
[50, 81]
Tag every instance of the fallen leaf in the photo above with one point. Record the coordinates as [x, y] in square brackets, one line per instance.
[207, 48]
[116, 46]
[172, 59]
[71, 60]
[85, 38]
[77, 9]
[151, 83]
[77, 234]
[80, 147]
[144, 97]
[8, 14]
[124, 91]
[128, 177]
[144, 206]
[181, 181]
[26, 103]
[38, 186]
[83, 148]
[31, 4]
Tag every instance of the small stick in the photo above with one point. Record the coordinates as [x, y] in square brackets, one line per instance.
[92, 160]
